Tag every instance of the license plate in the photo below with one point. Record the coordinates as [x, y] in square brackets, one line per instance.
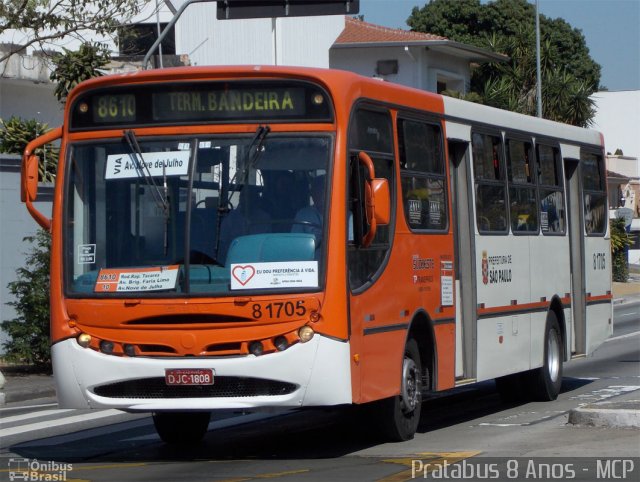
[191, 376]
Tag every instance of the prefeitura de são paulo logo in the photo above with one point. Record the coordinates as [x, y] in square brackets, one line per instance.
[485, 268]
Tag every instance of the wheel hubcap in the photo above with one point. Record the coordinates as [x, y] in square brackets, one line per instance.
[411, 386]
[553, 355]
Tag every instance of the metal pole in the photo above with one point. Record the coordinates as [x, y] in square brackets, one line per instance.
[538, 74]
[159, 32]
[167, 29]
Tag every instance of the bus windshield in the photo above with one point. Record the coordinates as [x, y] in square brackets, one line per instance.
[207, 215]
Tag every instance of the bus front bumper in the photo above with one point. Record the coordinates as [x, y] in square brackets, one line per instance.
[306, 374]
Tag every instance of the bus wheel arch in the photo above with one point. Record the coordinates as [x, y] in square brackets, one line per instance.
[422, 330]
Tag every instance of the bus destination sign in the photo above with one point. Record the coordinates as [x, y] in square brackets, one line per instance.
[228, 104]
[201, 103]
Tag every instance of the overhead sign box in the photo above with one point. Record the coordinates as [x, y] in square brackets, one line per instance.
[236, 9]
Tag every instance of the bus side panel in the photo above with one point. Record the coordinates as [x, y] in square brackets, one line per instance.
[599, 325]
[445, 364]
[550, 276]
[503, 273]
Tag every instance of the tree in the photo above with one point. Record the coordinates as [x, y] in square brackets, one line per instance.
[71, 68]
[620, 242]
[16, 133]
[29, 339]
[569, 74]
[41, 22]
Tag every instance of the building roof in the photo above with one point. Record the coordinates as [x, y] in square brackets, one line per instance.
[358, 33]
[617, 177]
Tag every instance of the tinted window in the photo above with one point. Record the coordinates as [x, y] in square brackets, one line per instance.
[522, 191]
[422, 173]
[551, 188]
[594, 193]
[370, 131]
[490, 184]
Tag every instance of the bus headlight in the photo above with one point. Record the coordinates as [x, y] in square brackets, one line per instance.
[84, 340]
[305, 333]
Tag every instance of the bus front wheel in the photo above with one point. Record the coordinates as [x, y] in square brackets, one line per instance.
[399, 416]
[181, 428]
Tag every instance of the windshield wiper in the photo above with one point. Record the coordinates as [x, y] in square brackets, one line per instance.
[159, 197]
[143, 171]
[254, 151]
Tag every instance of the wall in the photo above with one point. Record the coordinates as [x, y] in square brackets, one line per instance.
[30, 101]
[417, 66]
[16, 224]
[618, 118]
[301, 41]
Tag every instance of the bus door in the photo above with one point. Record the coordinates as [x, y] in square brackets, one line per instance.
[464, 245]
[576, 250]
[377, 330]
[597, 250]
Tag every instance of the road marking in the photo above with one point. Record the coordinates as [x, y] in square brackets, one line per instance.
[425, 462]
[275, 475]
[26, 416]
[56, 423]
[628, 335]
[25, 407]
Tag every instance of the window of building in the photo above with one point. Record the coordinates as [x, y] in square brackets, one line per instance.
[137, 39]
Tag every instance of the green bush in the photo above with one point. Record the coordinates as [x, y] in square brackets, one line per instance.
[620, 240]
[29, 339]
[16, 133]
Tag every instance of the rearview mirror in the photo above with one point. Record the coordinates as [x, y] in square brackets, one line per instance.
[377, 200]
[29, 180]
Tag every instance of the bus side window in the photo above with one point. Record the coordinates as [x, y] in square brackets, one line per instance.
[594, 193]
[371, 130]
[551, 186]
[422, 175]
[490, 184]
[522, 190]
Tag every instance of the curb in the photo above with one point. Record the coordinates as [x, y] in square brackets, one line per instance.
[625, 414]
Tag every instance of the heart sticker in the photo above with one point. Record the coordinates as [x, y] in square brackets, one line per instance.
[243, 273]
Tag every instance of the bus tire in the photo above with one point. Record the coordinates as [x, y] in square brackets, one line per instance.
[511, 388]
[399, 416]
[545, 382]
[181, 428]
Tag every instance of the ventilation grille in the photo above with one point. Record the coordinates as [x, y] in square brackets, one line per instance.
[155, 388]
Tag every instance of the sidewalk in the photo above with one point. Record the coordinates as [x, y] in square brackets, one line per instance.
[21, 385]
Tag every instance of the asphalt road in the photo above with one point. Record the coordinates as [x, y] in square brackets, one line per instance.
[467, 424]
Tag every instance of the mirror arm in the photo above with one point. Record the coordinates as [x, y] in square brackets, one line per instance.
[27, 158]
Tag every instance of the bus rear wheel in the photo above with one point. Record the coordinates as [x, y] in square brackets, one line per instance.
[545, 382]
[181, 428]
[399, 416]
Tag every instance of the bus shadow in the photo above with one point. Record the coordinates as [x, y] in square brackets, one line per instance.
[304, 434]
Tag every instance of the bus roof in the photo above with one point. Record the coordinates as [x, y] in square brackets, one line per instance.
[455, 110]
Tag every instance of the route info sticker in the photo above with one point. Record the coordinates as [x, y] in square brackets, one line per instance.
[137, 279]
[291, 274]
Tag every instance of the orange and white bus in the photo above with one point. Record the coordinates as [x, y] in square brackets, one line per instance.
[260, 237]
